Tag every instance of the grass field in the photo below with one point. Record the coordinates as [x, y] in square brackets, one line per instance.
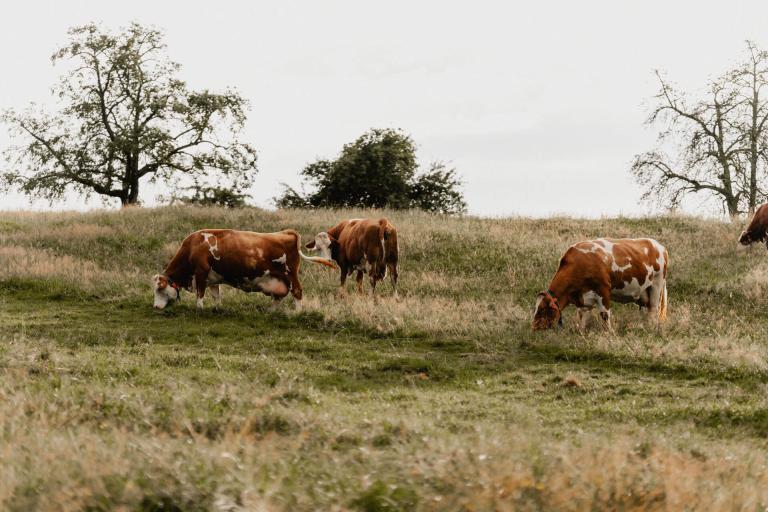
[441, 400]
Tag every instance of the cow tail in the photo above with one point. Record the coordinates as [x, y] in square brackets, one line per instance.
[663, 304]
[664, 299]
[383, 235]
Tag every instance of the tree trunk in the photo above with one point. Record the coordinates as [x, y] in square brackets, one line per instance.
[731, 199]
[130, 191]
[733, 207]
[133, 195]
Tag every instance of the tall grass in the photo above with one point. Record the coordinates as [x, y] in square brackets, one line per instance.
[440, 400]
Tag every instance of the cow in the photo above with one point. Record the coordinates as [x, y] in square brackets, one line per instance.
[252, 262]
[757, 230]
[361, 245]
[594, 273]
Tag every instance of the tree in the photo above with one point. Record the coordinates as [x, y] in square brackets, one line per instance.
[720, 140]
[210, 195]
[126, 117]
[437, 190]
[749, 80]
[378, 170]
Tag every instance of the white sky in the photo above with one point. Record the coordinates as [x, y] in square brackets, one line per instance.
[539, 105]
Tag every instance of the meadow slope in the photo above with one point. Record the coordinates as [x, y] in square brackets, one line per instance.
[441, 400]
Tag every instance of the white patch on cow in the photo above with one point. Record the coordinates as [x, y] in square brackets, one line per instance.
[645, 251]
[592, 299]
[272, 286]
[616, 268]
[282, 259]
[213, 248]
[634, 289]
[199, 303]
[265, 283]
[593, 247]
[606, 244]
[660, 259]
[538, 304]
[631, 289]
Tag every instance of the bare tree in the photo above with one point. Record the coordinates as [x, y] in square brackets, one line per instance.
[718, 142]
[748, 82]
[125, 117]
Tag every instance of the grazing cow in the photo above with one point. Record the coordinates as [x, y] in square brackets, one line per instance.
[362, 245]
[593, 273]
[757, 230]
[253, 262]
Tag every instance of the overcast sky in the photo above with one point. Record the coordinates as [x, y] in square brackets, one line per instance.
[539, 105]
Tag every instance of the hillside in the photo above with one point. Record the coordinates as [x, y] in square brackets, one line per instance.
[442, 400]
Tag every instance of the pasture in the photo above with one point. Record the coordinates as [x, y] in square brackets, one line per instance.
[441, 400]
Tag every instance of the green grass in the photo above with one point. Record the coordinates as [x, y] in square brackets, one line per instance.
[443, 400]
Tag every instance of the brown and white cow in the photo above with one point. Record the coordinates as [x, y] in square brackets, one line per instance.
[362, 245]
[596, 272]
[253, 262]
[757, 229]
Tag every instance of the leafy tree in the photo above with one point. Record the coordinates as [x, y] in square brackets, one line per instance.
[719, 142]
[125, 117]
[212, 195]
[378, 170]
[437, 190]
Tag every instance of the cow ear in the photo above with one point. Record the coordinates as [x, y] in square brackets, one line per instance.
[310, 245]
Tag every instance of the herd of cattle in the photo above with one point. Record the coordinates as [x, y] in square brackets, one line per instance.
[590, 275]
[269, 262]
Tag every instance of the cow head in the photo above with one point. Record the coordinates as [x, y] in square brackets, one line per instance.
[326, 245]
[751, 236]
[165, 291]
[547, 312]
[745, 238]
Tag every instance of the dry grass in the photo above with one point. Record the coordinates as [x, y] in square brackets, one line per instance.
[17, 262]
[441, 400]
[67, 453]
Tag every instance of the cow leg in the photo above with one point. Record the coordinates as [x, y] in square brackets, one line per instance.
[582, 318]
[359, 279]
[654, 301]
[216, 293]
[605, 316]
[296, 290]
[201, 279]
[378, 271]
[343, 283]
[604, 307]
[393, 277]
